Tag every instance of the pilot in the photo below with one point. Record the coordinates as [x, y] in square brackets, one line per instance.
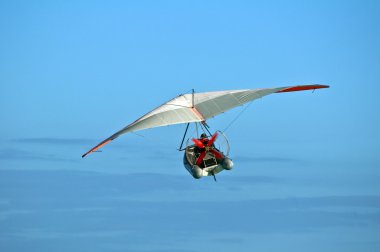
[204, 139]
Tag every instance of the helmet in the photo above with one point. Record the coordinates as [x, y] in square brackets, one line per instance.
[203, 135]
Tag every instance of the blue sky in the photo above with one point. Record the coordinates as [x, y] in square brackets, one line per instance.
[306, 164]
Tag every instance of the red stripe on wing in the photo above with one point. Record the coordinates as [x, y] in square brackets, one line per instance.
[302, 88]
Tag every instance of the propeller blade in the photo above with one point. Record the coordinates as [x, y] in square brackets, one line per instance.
[217, 154]
[212, 140]
[198, 143]
[201, 157]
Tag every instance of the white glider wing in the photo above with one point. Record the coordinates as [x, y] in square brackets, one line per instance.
[198, 107]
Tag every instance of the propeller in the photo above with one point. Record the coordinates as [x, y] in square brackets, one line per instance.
[208, 147]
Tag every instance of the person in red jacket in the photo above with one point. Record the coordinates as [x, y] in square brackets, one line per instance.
[204, 139]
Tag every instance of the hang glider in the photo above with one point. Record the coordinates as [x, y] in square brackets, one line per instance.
[198, 107]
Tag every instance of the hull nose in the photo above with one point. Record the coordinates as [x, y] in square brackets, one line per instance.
[197, 172]
[227, 164]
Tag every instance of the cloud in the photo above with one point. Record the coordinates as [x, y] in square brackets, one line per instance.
[55, 141]
[22, 155]
[66, 207]
[251, 180]
[233, 240]
[129, 147]
[249, 159]
[108, 186]
[181, 219]
[5, 214]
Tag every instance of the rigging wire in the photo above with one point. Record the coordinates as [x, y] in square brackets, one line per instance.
[204, 128]
[196, 128]
[237, 117]
[140, 135]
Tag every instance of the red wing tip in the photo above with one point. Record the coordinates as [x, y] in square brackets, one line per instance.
[86, 154]
[322, 86]
[302, 88]
[97, 147]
